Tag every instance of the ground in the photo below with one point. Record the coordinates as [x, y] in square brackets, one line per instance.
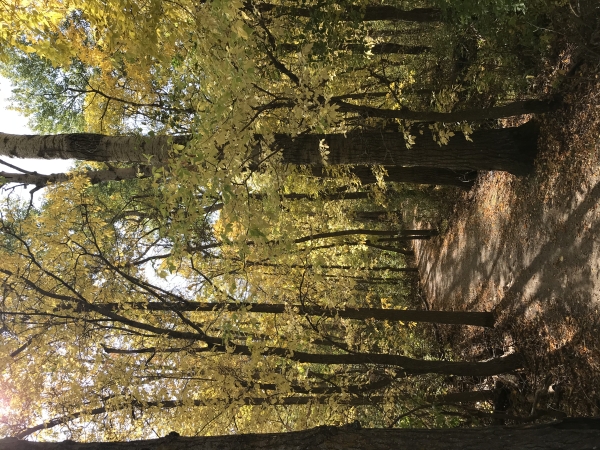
[529, 249]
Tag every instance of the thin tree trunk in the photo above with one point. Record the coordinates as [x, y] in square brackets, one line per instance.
[480, 319]
[472, 115]
[368, 13]
[332, 266]
[568, 434]
[170, 404]
[375, 216]
[377, 49]
[95, 176]
[417, 175]
[410, 366]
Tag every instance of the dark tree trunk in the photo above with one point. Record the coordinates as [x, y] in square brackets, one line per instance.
[509, 149]
[377, 49]
[409, 366]
[279, 401]
[417, 175]
[375, 216]
[369, 13]
[481, 319]
[403, 235]
[471, 115]
[569, 434]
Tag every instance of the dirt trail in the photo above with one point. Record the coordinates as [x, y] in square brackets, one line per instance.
[529, 249]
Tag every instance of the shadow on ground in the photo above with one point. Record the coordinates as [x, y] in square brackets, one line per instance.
[529, 249]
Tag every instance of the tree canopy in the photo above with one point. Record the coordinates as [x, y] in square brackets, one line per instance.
[218, 261]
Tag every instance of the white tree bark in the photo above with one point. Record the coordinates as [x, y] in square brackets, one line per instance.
[87, 147]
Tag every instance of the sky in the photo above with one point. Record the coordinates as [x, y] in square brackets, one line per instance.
[14, 123]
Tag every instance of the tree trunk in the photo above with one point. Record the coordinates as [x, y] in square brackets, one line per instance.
[402, 235]
[509, 149]
[273, 401]
[369, 13]
[95, 176]
[417, 175]
[377, 49]
[480, 319]
[375, 216]
[568, 434]
[333, 266]
[471, 115]
[410, 366]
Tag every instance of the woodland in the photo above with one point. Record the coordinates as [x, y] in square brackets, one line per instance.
[241, 257]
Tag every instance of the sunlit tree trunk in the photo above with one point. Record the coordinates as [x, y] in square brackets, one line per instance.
[88, 147]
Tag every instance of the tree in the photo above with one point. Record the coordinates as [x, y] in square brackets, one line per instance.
[450, 317]
[227, 216]
[75, 269]
[367, 13]
[416, 175]
[567, 434]
[508, 149]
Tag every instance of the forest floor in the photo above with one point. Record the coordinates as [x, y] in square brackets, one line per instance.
[529, 249]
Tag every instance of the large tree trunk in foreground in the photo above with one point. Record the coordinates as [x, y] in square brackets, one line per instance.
[471, 115]
[509, 149]
[571, 434]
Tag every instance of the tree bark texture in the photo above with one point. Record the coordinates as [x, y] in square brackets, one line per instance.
[571, 434]
[509, 149]
[88, 147]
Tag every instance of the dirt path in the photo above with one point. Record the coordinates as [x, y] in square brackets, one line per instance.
[529, 249]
